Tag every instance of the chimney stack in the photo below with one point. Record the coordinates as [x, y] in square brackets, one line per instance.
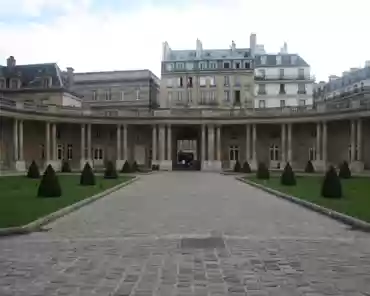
[70, 77]
[199, 48]
[10, 62]
[253, 44]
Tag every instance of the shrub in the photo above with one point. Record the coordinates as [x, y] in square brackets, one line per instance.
[309, 167]
[288, 177]
[87, 176]
[344, 171]
[49, 185]
[66, 167]
[110, 171]
[126, 167]
[134, 167]
[155, 167]
[33, 171]
[331, 186]
[246, 168]
[237, 167]
[262, 171]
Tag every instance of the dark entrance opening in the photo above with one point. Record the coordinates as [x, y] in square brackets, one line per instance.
[187, 149]
[237, 97]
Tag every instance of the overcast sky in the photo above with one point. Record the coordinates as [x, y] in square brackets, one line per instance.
[96, 35]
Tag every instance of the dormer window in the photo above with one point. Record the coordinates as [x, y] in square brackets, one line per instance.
[2, 83]
[46, 82]
[94, 95]
[226, 65]
[278, 60]
[14, 83]
[108, 95]
[180, 66]
[293, 59]
[263, 60]
[138, 94]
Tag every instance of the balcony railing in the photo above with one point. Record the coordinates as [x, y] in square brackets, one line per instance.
[284, 77]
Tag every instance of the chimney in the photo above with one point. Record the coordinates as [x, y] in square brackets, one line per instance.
[332, 77]
[367, 63]
[10, 62]
[233, 46]
[70, 78]
[199, 48]
[165, 51]
[253, 44]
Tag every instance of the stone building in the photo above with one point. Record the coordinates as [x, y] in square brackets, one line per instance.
[49, 115]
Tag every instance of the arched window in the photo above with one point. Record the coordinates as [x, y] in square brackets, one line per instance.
[274, 152]
[234, 152]
[312, 153]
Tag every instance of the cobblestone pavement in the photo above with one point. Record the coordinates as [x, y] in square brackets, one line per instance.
[140, 241]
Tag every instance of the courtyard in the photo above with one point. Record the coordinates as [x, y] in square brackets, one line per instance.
[139, 241]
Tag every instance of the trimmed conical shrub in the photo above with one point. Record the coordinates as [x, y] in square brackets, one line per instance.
[110, 171]
[49, 185]
[126, 167]
[246, 168]
[331, 186]
[237, 167]
[87, 176]
[262, 171]
[66, 167]
[309, 167]
[288, 177]
[33, 171]
[134, 167]
[345, 171]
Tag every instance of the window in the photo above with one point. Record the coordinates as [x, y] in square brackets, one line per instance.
[261, 104]
[2, 83]
[170, 96]
[301, 88]
[237, 97]
[122, 95]
[190, 82]
[247, 65]
[60, 152]
[138, 94]
[180, 82]
[301, 73]
[226, 65]
[282, 103]
[234, 153]
[180, 66]
[108, 95]
[212, 81]
[278, 59]
[169, 82]
[226, 80]
[179, 96]
[98, 153]
[262, 89]
[202, 81]
[45, 82]
[94, 95]
[202, 65]
[302, 102]
[169, 66]
[42, 151]
[281, 73]
[237, 65]
[226, 96]
[312, 153]
[69, 152]
[213, 65]
[282, 89]
[237, 80]
[14, 84]
[274, 152]
[263, 60]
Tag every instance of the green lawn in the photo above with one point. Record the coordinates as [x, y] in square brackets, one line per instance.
[356, 194]
[20, 205]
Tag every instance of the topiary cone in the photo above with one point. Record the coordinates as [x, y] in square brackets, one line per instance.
[87, 177]
[33, 171]
[110, 171]
[49, 185]
[288, 177]
[331, 186]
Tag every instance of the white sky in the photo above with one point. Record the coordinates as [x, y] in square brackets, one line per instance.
[331, 36]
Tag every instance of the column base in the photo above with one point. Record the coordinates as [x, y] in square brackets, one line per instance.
[83, 162]
[20, 166]
[356, 166]
[212, 166]
[164, 165]
[56, 164]
[319, 165]
[120, 163]
[253, 163]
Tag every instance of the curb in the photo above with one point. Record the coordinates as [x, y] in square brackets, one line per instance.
[345, 219]
[38, 223]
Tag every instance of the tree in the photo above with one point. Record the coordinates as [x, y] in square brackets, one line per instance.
[246, 168]
[110, 171]
[288, 176]
[134, 167]
[33, 171]
[345, 171]
[262, 171]
[309, 167]
[237, 167]
[87, 177]
[126, 167]
[49, 185]
[66, 167]
[331, 186]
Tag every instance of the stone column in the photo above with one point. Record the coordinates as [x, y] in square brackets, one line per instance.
[283, 141]
[15, 140]
[47, 146]
[89, 141]
[218, 136]
[169, 142]
[203, 152]
[54, 141]
[359, 140]
[83, 138]
[154, 143]
[318, 141]
[119, 152]
[125, 152]
[353, 141]
[162, 143]
[324, 142]
[290, 151]
[254, 142]
[21, 156]
[247, 142]
[211, 142]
